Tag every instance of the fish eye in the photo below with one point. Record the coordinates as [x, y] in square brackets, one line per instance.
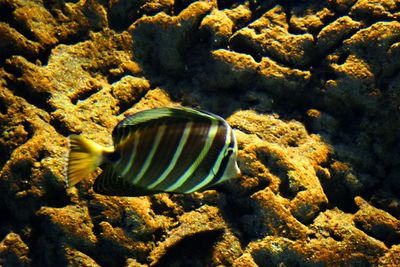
[229, 151]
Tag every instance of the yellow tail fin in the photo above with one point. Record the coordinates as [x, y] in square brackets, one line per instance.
[84, 157]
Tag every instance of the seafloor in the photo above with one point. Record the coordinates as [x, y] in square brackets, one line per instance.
[312, 89]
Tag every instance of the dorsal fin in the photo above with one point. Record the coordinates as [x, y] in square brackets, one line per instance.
[163, 113]
[159, 116]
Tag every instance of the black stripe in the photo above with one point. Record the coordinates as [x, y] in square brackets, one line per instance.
[208, 162]
[195, 143]
[222, 167]
[147, 136]
[109, 183]
[103, 183]
[125, 152]
[165, 152]
[119, 134]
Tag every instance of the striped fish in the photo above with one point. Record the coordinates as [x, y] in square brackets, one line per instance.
[177, 150]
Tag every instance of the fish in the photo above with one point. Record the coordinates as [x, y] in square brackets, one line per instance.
[172, 150]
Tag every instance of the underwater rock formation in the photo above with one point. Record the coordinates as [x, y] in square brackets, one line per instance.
[312, 90]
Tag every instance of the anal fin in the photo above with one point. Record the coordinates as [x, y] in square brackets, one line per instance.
[111, 184]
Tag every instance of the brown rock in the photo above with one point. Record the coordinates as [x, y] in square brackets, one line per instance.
[165, 50]
[116, 239]
[334, 237]
[377, 223]
[219, 25]
[14, 42]
[129, 90]
[239, 15]
[310, 19]
[13, 251]
[133, 215]
[375, 9]
[379, 37]
[328, 68]
[245, 260]
[202, 226]
[290, 155]
[76, 258]
[391, 258]
[28, 138]
[71, 224]
[134, 263]
[335, 32]
[233, 69]
[120, 13]
[269, 36]
[36, 20]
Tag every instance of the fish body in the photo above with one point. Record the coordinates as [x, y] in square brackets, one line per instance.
[177, 150]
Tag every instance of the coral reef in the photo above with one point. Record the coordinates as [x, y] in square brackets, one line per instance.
[312, 89]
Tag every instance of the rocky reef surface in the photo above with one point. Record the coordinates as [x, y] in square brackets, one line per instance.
[312, 89]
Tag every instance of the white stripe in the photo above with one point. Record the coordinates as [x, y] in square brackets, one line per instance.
[217, 164]
[174, 159]
[212, 132]
[149, 158]
[132, 156]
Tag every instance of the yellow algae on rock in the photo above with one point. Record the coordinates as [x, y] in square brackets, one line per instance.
[72, 223]
[269, 35]
[219, 25]
[332, 34]
[77, 258]
[14, 251]
[312, 90]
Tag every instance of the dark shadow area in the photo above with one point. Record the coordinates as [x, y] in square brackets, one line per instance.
[3, 106]
[6, 220]
[39, 100]
[239, 214]
[4, 156]
[191, 251]
[387, 201]
[122, 14]
[45, 237]
[339, 196]
[287, 257]
[56, 195]
[228, 4]
[242, 45]
[381, 232]
[180, 5]
[83, 95]
[60, 127]
[6, 12]
[109, 253]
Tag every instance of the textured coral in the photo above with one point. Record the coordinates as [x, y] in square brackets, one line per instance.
[312, 89]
